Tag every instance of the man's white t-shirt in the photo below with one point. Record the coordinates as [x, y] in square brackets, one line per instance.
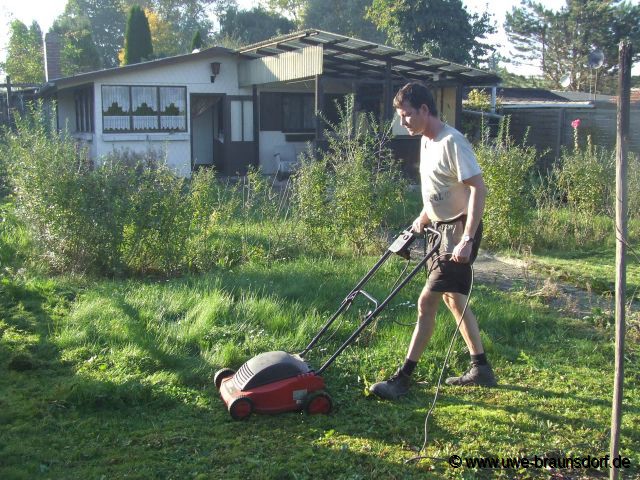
[445, 162]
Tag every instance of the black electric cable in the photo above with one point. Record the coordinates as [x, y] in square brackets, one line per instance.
[419, 457]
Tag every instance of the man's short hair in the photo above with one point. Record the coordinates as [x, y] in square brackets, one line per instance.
[417, 94]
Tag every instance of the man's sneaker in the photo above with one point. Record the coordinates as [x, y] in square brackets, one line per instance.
[393, 388]
[477, 375]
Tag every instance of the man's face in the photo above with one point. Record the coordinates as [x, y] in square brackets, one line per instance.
[413, 119]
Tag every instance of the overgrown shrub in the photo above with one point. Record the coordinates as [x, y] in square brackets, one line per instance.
[123, 215]
[60, 198]
[348, 192]
[507, 170]
[575, 202]
[585, 178]
[157, 226]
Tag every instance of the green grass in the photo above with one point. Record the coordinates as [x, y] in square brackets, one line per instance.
[113, 379]
[593, 270]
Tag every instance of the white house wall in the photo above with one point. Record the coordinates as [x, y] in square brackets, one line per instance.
[272, 143]
[194, 75]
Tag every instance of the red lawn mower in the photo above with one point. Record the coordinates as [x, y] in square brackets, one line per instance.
[275, 382]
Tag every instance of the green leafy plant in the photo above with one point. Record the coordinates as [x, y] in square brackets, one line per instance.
[585, 176]
[349, 191]
[507, 170]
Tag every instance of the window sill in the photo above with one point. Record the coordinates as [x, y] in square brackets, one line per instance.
[145, 137]
[299, 137]
[83, 136]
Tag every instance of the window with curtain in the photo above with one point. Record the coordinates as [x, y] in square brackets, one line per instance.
[128, 109]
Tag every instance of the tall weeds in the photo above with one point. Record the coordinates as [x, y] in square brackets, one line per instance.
[131, 214]
[507, 170]
[575, 202]
[348, 193]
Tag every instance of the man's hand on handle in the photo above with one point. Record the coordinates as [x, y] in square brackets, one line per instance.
[420, 223]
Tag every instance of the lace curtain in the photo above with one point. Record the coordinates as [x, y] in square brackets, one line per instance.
[141, 111]
[142, 95]
[115, 95]
[175, 95]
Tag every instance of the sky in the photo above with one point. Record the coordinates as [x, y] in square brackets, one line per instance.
[45, 11]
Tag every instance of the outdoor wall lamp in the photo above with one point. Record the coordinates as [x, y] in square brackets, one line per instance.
[215, 70]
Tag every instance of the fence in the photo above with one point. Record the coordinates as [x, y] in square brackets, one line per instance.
[549, 129]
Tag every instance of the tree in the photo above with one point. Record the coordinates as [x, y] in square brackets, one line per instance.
[78, 52]
[352, 21]
[196, 42]
[106, 19]
[163, 35]
[177, 20]
[137, 37]
[294, 9]
[562, 41]
[438, 28]
[25, 60]
[251, 26]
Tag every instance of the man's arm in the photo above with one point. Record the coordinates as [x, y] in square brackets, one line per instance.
[477, 198]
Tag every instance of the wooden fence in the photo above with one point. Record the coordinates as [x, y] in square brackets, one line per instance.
[549, 129]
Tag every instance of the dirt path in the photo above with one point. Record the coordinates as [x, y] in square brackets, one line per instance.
[513, 274]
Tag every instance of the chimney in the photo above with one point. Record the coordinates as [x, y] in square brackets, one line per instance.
[52, 56]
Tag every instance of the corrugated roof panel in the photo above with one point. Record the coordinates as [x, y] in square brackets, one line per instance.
[372, 55]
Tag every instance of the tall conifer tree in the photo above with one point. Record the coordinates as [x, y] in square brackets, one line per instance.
[137, 37]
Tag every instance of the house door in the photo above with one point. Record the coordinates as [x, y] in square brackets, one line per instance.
[207, 131]
[241, 134]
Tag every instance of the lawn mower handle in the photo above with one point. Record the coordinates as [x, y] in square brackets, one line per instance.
[406, 238]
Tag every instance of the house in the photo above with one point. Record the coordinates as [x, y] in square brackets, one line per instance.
[253, 106]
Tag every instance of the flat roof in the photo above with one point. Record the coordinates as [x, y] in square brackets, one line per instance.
[347, 57]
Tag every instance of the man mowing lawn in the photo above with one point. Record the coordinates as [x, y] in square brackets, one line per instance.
[453, 194]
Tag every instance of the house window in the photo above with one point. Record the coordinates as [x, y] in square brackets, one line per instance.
[83, 99]
[241, 120]
[298, 112]
[128, 109]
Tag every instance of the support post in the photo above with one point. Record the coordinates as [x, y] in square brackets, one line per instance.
[256, 126]
[386, 94]
[319, 105]
[9, 100]
[624, 96]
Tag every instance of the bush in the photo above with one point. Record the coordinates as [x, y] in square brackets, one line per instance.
[58, 196]
[507, 170]
[585, 178]
[157, 226]
[349, 191]
[123, 215]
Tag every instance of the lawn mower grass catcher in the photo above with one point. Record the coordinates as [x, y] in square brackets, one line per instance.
[275, 382]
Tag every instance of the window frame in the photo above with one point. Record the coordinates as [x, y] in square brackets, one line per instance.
[131, 114]
[83, 99]
[301, 96]
[247, 133]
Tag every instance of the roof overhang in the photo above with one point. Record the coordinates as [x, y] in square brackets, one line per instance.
[515, 105]
[65, 82]
[352, 58]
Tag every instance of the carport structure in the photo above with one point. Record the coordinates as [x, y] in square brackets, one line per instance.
[325, 57]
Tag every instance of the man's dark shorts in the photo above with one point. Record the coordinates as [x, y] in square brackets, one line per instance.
[445, 274]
